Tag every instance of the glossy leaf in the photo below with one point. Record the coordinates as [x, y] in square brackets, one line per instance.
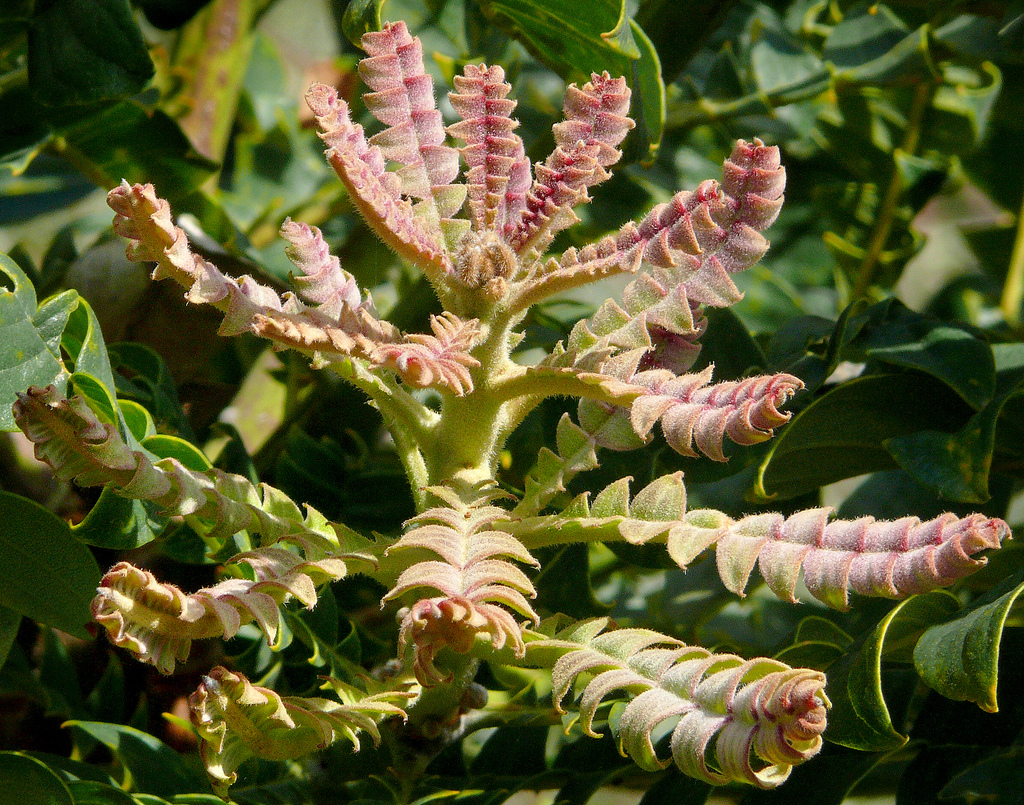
[25, 780]
[31, 337]
[153, 765]
[361, 16]
[47, 574]
[948, 353]
[860, 717]
[960, 658]
[89, 792]
[85, 51]
[842, 434]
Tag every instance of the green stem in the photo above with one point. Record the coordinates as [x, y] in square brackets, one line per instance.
[1013, 288]
[887, 212]
[412, 425]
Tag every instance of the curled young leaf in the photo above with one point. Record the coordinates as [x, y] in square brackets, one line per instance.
[158, 622]
[891, 559]
[471, 578]
[738, 720]
[237, 720]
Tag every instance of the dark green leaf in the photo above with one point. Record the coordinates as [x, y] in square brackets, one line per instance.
[69, 770]
[574, 45]
[83, 341]
[678, 28]
[128, 141]
[826, 781]
[860, 717]
[676, 788]
[25, 780]
[903, 338]
[29, 336]
[960, 658]
[117, 523]
[360, 17]
[47, 574]
[154, 766]
[85, 51]
[90, 792]
[998, 779]
[9, 623]
[564, 584]
[841, 434]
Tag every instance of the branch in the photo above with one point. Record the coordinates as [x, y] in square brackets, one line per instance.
[595, 123]
[493, 152]
[158, 622]
[70, 438]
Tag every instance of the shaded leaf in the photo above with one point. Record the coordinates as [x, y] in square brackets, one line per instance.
[30, 336]
[153, 765]
[842, 433]
[47, 574]
[25, 780]
[960, 658]
[85, 51]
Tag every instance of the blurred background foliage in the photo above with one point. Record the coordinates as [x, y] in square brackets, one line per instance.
[893, 288]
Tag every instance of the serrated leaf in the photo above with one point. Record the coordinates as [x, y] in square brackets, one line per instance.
[960, 658]
[47, 574]
[25, 780]
[30, 336]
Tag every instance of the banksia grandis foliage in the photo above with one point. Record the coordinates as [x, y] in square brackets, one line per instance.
[460, 574]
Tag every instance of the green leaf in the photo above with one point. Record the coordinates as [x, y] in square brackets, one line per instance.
[120, 524]
[647, 105]
[574, 45]
[155, 767]
[128, 141]
[90, 792]
[842, 434]
[860, 717]
[82, 339]
[564, 584]
[85, 51]
[360, 17]
[997, 779]
[30, 338]
[164, 446]
[960, 658]
[47, 574]
[909, 340]
[25, 780]
[69, 770]
[9, 623]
